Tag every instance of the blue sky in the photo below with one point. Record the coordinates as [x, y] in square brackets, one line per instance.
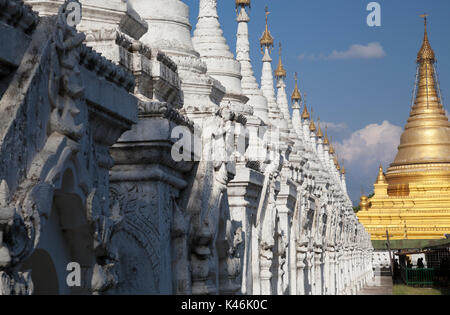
[359, 79]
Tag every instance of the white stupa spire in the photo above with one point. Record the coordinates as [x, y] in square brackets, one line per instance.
[250, 86]
[282, 98]
[267, 81]
[319, 141]
[267, 86]
[305, 125]
[326, 151]
[169, 30]
[208, 37]
[343, 178]
[209, 41]
[296, 99]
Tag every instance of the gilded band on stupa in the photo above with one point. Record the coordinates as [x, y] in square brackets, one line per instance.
[412, 199]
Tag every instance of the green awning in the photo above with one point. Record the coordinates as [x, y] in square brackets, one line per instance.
[410, 244]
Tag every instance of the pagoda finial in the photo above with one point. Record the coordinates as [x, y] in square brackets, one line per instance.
[266, 39]
[319, 130]
[296, 95]
[336, 163]
[312, 125]
[343, 168]
[381, 178]
[365, 203]
[426, 53]
[332, 151]
[326, 141]
[305, 114]
[280, 72]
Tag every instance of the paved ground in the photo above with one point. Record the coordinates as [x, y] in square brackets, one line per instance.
[381, 285]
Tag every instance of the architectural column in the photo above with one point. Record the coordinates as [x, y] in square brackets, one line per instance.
[206, 195]
[301, 256]
[146, 181]
[244, 190]
[332, 273]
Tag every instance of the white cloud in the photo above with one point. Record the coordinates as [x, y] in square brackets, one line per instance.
[357, 51]
[372, 143]
[364, 150]
[335, 126]
[307, 56]
[338, 131]
[371, 51]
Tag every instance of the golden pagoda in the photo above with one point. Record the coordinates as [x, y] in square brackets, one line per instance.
[412, 200]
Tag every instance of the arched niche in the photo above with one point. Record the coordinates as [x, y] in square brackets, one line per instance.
[65, 238]
[44, 275]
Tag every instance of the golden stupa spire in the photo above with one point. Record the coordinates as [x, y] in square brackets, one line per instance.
[426, 138]
[343, 172]
[426, 53]
[280, 72]
[319, 130]
[312, 126]
[332, 151]
[266, 39]
[305, 114]
[296, 95]
[381, 179]
[325, 140]
[427, 92]
[335, 160]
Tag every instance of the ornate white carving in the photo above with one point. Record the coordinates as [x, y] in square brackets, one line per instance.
[228, 224]
[61, 161]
